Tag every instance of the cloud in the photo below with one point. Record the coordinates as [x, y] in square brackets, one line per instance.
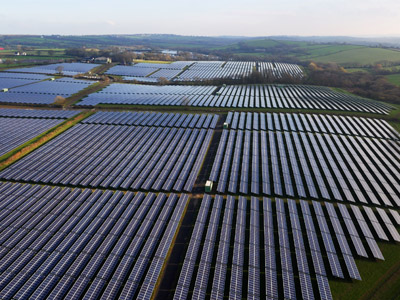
[111, 22]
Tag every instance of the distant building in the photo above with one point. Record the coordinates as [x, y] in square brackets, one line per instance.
[170, 52]
[98, 60]
[103, 60]
[87, 60]
[141, 51]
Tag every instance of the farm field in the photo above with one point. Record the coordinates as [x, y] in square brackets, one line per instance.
[363, 56]
[395, 79]
[337, 53]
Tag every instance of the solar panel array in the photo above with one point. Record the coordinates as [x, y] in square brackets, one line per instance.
[131, 71]
[84, 244]
[13, 80]
[306, 165]
[120, 156]
[17, 131]
[44, 92]
[141, 79]
[148, 95]
[235, 96]
[153, 119]
[166, 73]
[68, 69]
[209, 70]
[277, 234]
[279, 70]
[293, 96]
[205, 70]
[9, 83]
[149, 72]
[331, 124]
[10, 75]
[37, 113]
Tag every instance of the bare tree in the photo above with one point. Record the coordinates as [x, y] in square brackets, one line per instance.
[162, 81]
[59, 100]
[59, 69]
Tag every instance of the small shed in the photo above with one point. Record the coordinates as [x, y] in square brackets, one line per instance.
[209, 186]
[226, 125]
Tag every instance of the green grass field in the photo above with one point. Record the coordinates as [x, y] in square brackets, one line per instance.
[394, 78]
[324, 53]
[380, 280]
[262, 43]
[354, 70]
[363, 56]
[319, 50]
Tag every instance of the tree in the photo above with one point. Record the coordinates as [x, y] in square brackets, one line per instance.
[59, 100]
[162, 81]
[124, 58]
[59, 69]
[50, 52]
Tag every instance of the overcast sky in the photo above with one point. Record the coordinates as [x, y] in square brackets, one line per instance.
[202, 17]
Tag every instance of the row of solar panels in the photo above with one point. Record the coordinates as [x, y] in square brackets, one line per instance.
[147, 74]
[343, 168]
[9, 83]
[10, 75]
[69, 69]
[83, 244]
[44, 92]
[153, 119]
[204, 70]
[37, 113]
[312, 123]
[17, 131]
[128, 157]
[143, 71]
[237, 70]
[259, 96]
[120, 88]
[289, 97]
[294, 96]
[308, 238]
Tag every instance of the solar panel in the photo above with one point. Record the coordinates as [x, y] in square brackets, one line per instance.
[85, 257]
[323, 287]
